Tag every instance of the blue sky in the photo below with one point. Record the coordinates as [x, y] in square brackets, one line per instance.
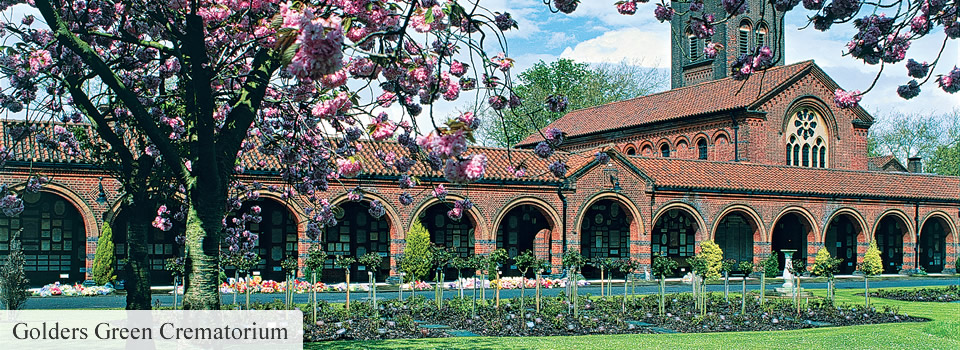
[597, 33]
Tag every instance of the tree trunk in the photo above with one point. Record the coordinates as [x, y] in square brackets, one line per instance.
[138, 262]
[726, 286]
[763, 288]
[175, 282]
[538, 292]
[866, 291]
[662, 294]
[204, 223]
[313, 289]
[743, 296]
[347, 272]
[236, 285]
[601, 281]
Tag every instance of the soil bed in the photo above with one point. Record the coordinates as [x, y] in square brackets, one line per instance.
[419, 318]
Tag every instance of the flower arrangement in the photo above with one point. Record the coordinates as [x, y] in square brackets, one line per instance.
[57, 289]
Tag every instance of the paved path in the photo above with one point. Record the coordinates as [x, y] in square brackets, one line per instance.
[119, 301]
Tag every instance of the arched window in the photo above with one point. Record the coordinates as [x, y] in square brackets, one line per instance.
[807, 138]
[665, 150]
[762, 34]
[693, 45]
[743, 40]
[631, 151]
[702, 148]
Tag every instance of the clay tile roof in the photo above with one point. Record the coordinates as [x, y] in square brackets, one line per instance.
[880, 163]
[704, 98]
[707, 175]
[498, 162]
[498, 159]
[28, 149]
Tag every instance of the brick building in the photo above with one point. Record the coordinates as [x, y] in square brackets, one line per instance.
[758, 166]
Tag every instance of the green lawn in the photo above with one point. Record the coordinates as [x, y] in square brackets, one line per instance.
[941, 333]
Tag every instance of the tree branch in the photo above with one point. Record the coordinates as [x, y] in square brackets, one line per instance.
[244, 110]
[106, 74]
[82, 101]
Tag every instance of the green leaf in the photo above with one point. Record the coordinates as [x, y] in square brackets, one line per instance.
[428, 16]
[346, 24]
[289, 53]
[276, 21]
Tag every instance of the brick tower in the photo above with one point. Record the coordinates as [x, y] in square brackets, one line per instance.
[739, 35]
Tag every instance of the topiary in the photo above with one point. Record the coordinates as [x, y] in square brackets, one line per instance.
[713, 259]
[663, 266]
[872, 263]
[13, 281]
[105, 259]
[418, 254]
[825, 265]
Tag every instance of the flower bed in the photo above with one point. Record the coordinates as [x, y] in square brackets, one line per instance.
[942, 295]
[57, 289]
[417, 317]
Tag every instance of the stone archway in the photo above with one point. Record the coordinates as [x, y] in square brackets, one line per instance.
[932, 247]
[605, 233]
[523, 228]
[277, 237]
[792, 230]
[675, 236]
[457, 236]
[843, 238]
[356, 234]
[890, 235]
[735, 233]
[53, 238]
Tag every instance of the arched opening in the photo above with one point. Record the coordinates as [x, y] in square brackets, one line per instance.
[456, 236]
[675, 236]
[53, 238]
[762, 35]
[356, 234]
[277, 238]
[889, 236]
[743, 39]
[646, 151]
[605, 233]
[631, 151]
[734, 235]
[523, 228]
[693, 45]
[790, 232]
[160, 247]
[933, 244]
[665, 150]
[841, 238]
[702, 149]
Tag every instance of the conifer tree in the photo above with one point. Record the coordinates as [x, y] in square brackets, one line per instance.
[105, 260]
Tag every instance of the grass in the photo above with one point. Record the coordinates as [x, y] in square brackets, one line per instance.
[943, 332]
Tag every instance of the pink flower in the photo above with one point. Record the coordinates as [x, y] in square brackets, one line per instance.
[627, 7]
[162, 210]
[348, 167]
[321, 45]
[383, 130]
[334, 80]
[845, 99]
[458, 68]
[386, 99]
[440, 192]
[40, 59]
[189, 165]
[452, 92]
[474, 168]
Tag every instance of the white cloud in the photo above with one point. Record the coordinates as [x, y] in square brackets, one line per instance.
[630, 44]
[558, 39]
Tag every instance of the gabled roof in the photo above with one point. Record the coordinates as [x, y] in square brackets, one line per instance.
[882, 163]
[682, 174]
[705, 98]
[28, 149]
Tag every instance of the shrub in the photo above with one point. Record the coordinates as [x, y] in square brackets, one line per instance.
[417, 255]
[872, 263]
[825, 265]
[663, 266]
[713, 258]
[13, 281]
[105, 260]
[771, 267]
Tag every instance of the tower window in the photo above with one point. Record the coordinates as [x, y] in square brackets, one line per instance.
[762, 35]
[743, 40]
[702, 148]
[694, 46]
[806, 140]
[665, 150]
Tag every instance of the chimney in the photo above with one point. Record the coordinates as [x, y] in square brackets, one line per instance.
[915, 165]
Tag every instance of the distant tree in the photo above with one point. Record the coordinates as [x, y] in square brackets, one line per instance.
[105, 259]
[662, 267]
[945, 158]
[345, 263]
[525, 261]
[583, 86]
[907, 135]
[713, 257]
